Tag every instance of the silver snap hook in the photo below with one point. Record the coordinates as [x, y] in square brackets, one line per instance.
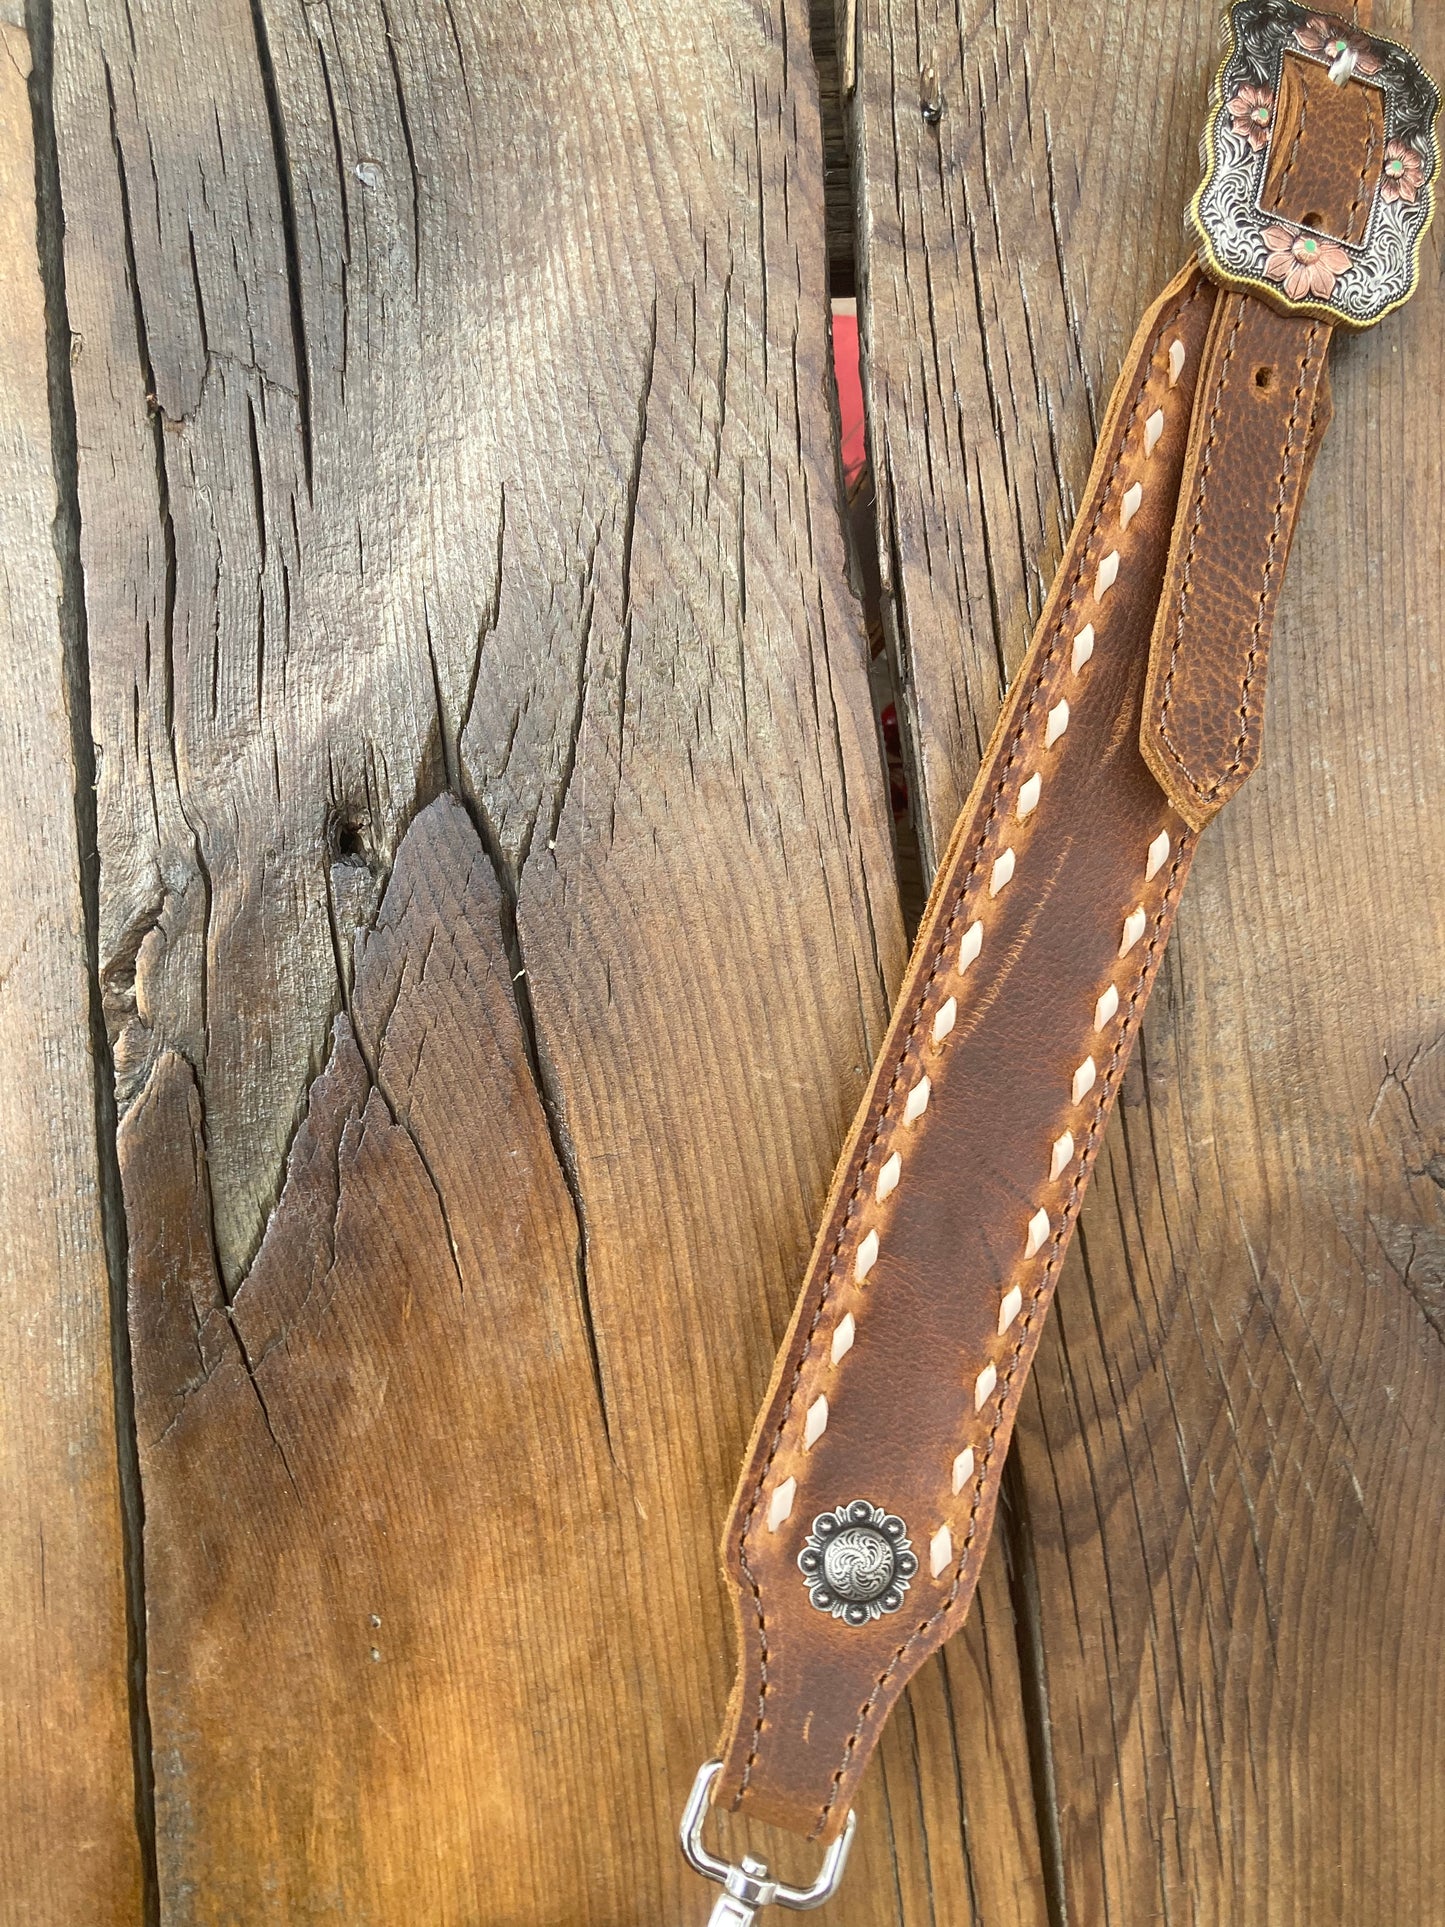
[747, 1887]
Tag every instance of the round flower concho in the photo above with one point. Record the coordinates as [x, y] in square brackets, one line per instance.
[1329, 41]
[1305, 264]
[1251, 112]
[857, 1562]
[1404, 175]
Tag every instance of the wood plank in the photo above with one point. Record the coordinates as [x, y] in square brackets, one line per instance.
[1233, 1503]
[464, 569]
[68, 1844]
[370, 1475]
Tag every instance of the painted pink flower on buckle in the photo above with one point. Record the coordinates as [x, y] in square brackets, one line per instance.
[1251, 112]
[1305, 265]
[1321, 36]
[1404, 173]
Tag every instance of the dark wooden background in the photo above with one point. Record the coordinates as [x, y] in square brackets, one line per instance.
[452, 899]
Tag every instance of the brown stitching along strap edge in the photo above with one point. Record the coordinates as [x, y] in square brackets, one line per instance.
[1129, 453]
[1203, 720]
[1203, 717]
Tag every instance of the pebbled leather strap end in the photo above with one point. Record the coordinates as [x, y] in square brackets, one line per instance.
[1264, 404]
[1320, 155]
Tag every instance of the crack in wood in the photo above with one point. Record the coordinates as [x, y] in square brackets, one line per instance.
[60, 347]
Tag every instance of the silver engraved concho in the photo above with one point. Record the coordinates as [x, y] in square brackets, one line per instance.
[1292, 265]
[857, 1562]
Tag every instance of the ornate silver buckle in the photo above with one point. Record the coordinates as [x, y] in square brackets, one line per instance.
[747, 1888]
[1244, 246]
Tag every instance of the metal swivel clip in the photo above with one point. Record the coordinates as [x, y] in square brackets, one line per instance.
[746, 1886]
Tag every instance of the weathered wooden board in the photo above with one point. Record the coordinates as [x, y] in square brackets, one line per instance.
[497, 915]
[1234, 1500]
[68, 1843]
[497, 920]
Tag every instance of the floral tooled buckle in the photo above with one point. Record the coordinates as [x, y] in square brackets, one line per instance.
[1351, 278]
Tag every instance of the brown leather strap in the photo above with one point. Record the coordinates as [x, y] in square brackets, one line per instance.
[1328, 151]
[1019, 1011]
[871, 1484]
[1263, 401]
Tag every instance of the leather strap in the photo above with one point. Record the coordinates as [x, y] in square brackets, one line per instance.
[870, 1487]
[1033, 963]
[1251, 446]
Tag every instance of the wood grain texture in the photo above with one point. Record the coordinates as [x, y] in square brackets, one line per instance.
[1232, 1496]
[65, 1748]
[497, 921]
[368, 1485]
